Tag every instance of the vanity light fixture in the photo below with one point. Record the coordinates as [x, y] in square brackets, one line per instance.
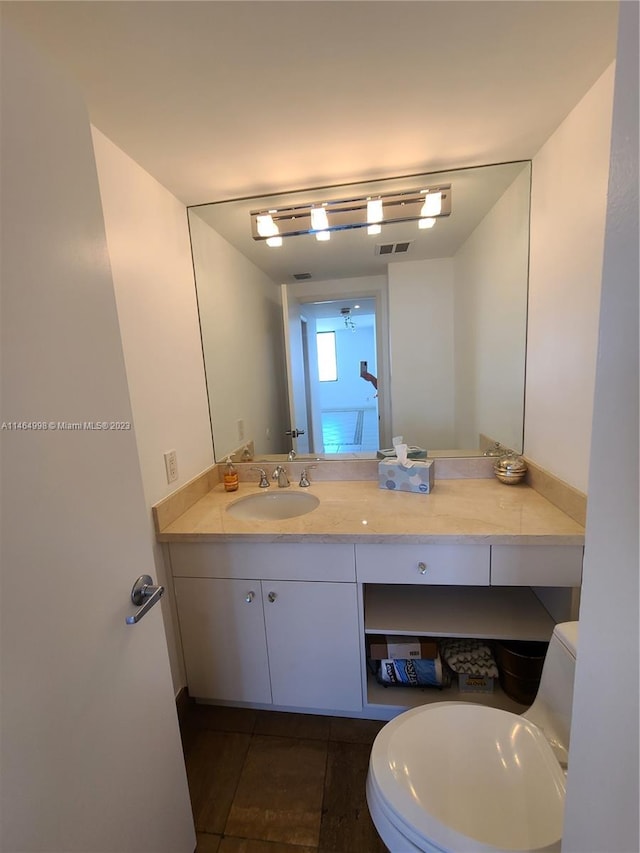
[422, 205]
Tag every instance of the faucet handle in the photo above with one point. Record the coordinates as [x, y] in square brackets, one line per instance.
[304, 480]
[264, 482]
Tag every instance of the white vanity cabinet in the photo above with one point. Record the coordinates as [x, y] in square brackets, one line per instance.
[286, 624]
[270, 624]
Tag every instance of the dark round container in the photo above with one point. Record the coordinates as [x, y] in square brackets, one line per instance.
[520, 666]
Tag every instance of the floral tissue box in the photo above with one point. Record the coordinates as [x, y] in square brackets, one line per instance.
[417, 477]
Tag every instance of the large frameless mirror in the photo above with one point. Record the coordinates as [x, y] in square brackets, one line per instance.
[343, 332]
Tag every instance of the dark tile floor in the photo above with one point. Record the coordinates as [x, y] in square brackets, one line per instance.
[271, 782]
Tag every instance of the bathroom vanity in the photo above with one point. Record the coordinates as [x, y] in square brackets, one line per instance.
[276, 613]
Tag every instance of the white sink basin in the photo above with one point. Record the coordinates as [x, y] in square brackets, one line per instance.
[273, 506]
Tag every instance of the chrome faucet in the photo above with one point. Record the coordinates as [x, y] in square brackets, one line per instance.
[292, 455]
[280, 475]
[264, 483]
[304, 479]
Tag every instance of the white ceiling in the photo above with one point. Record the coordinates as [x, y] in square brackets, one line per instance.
[221, 99]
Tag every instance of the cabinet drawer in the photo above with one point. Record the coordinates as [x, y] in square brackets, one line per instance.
[423, 564]
[266, 561]
[536, 565]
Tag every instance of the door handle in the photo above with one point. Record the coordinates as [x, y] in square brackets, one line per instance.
[294, 433]
[146, 594]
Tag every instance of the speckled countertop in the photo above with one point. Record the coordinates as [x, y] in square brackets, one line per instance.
[462, 511]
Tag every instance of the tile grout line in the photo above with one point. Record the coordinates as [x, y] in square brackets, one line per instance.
[244, 761]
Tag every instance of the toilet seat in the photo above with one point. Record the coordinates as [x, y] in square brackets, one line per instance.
[458, 776]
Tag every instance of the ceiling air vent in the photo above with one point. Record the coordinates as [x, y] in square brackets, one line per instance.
[301, 276]
[393, 248]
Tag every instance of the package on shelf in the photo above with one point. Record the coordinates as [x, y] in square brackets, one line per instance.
[475, 683]
[397, 647]
[473, 662]
[413, 672]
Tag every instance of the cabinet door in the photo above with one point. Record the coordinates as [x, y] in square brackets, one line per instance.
[222, 628]
[314, 644]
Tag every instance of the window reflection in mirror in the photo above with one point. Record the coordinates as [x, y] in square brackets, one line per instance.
[447, 342]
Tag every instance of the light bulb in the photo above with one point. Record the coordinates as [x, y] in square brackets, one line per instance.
[432, 205]
[322, 235]
[274, 242]
[374, 229]
[374, 210]
[266, 226]
[429, 222]
[319, 220]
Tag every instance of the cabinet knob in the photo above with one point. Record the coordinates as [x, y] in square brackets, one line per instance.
[272, 596]
[249, 597]
[422, 568]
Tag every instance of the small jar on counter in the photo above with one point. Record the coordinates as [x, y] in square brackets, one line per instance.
[510, 468]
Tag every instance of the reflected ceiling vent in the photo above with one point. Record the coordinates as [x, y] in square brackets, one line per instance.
[393, 248]
[301, 276]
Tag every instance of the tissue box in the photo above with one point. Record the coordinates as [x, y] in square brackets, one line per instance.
[412, 453]
[417, 477]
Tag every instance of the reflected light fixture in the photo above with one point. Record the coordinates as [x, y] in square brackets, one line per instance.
[423, 205]
[348, 319]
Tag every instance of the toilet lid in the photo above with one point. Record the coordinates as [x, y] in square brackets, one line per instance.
[469, 777]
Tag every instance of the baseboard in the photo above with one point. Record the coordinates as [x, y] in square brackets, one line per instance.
[183, 704]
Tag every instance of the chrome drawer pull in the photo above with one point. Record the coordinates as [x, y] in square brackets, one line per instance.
[272, 597]
[249, 597]
[422, 568]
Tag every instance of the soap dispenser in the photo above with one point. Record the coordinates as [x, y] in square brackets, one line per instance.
[230, 478]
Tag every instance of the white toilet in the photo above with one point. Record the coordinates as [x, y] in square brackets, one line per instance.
[456, 777]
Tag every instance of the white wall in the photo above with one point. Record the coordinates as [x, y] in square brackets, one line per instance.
[351, 391]
[568, 207]
[243, 345]
[490, 271]
[148, 242]
[602, 793]
[421, 346]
